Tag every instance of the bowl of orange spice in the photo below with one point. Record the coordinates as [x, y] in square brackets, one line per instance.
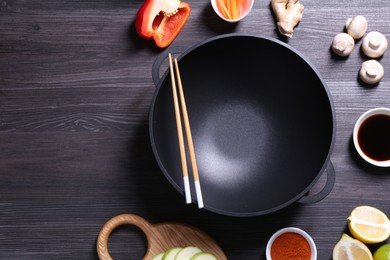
[291, 243]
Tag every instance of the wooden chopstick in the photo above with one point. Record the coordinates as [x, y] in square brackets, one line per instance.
[183, 159]
[188, 135]
[189, 139]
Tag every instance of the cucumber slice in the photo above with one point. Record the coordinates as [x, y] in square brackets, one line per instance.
[187, 252]
[171, 253]
[159, 256]
[203, 256]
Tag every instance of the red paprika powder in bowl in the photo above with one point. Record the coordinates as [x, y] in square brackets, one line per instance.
[291, 243]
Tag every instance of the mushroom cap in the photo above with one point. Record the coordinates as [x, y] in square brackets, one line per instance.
[343, 44]
[374, 44]
[356, 26]
[371, 72]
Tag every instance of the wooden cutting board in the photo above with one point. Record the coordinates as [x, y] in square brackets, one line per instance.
[160, 237]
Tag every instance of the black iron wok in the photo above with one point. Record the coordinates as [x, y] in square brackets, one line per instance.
[262, 120]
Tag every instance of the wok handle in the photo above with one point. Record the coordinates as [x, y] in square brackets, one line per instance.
[330, 181]
[160, 60]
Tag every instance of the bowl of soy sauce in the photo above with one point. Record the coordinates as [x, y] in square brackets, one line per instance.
[371, 136]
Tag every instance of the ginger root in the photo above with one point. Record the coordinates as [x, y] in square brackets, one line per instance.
[288, 14]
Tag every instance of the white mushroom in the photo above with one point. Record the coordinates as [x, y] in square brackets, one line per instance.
[356, 26]
[343, 44]
[371, 72]
[374, 44]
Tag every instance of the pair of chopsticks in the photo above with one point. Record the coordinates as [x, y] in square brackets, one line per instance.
[187, 128]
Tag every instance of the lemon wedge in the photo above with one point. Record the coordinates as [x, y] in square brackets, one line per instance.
[349, 248]
[369, 224]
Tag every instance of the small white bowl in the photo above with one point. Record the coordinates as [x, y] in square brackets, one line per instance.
[308, 238]
[245, 9]
[362, 118]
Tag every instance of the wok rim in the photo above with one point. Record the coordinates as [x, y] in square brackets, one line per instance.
[262, 211]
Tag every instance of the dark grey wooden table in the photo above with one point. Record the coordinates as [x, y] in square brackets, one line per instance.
[75, 93]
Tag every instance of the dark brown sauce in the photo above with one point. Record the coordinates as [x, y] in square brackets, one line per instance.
[374, 137]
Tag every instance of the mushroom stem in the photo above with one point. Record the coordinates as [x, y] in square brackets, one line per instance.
[374, 44]
[371, 72]
[343, 44]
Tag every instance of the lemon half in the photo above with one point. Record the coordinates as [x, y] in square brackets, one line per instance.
[369, 224]
[349, 248]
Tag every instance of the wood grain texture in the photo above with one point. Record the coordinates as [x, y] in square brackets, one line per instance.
[75, 93]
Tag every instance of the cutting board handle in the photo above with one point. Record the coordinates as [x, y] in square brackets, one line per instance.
[113, 223]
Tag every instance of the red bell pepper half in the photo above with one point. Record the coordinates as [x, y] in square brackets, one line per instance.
[162, 20]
